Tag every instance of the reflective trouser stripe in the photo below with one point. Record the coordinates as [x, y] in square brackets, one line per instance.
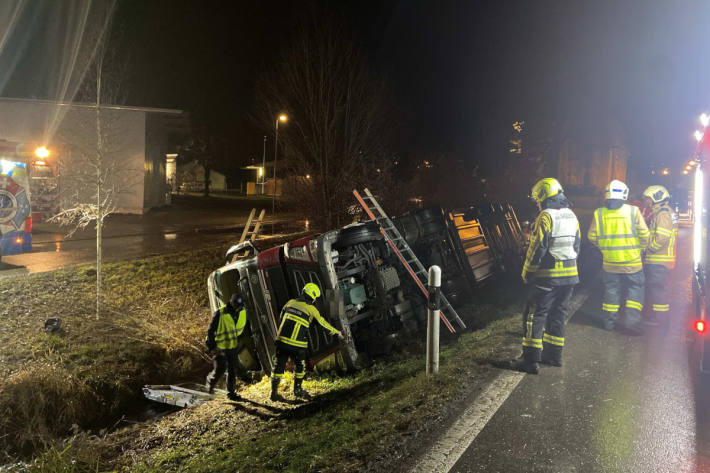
[610, 307]
[299, 374]
[551, 339]
[661, 307]
[277, 375]
[634, 305]
[532, 342]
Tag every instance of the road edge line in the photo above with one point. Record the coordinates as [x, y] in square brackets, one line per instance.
[443, 455]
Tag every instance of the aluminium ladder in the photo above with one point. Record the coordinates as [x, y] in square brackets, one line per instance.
[250, 232]
[405, 254]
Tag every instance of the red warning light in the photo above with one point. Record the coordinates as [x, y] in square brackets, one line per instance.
[700, 326]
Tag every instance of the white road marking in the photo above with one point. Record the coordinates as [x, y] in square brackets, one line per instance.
[444, 454]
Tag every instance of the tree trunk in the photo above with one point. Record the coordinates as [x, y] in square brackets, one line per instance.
[206, 191]
[99, 224]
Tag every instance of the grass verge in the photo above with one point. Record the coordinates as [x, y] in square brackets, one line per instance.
[365, 421]
[88, 374]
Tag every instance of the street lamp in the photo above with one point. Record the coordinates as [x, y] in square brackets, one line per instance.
[262, 172]
[698, 135]
[705, 120]
[280, 118]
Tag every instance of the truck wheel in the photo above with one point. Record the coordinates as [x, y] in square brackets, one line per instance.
[351, 236]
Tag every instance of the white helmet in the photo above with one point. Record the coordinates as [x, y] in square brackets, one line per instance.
[616, 190]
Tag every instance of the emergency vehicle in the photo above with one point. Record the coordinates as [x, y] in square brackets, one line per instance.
[15, 210]
[701, 293]
[29, 192]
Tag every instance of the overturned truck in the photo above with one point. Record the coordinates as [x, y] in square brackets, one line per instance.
[367, 293]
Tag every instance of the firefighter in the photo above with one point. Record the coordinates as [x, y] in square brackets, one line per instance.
[551, 270]
[660, 255]
[292, 338]
[222, 335]
[620, 233]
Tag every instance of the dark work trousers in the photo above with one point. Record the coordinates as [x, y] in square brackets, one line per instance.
[226, 360]
[614, 284]
[657, 288]
[546, 309]
[283, 353]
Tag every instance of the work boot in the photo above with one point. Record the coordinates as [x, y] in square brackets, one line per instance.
[521, 364]
[233, 396]
[609, 325]
[550, 360]
[275, 396]
[298, 390]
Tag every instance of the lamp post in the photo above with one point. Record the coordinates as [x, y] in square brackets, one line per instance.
[263, 169]
[281, 118]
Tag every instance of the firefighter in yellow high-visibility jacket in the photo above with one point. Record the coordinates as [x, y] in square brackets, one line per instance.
[292, 339]
[550, 269]
[660, 255]
[619, 231]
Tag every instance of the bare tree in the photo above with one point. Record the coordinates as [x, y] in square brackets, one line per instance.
[336, 135]
[94, 172]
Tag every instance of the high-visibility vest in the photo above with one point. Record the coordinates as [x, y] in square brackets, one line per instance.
[563, 235]
[617, 236]
[228, 330]
[665, 254]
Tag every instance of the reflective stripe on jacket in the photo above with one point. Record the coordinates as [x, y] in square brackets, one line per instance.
[620, 234]
[553, 249]
[228, 331]
[296, 317]
[664, 231]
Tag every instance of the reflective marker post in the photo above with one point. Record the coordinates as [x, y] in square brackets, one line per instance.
[432, 327]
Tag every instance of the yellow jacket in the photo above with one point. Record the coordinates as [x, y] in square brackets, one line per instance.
[664, 230]
[621, 235]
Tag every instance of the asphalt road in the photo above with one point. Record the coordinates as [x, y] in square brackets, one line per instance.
[619, 403]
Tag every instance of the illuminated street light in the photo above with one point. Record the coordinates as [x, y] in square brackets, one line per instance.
[42, 152]
[698, 135]
[282, 118]
[685, 171]
[666, 171]
[705, 119]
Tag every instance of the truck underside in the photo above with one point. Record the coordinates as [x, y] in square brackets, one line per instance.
[367, 293]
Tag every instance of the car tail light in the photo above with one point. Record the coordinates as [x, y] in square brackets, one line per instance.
[700, 326]
[28, 225]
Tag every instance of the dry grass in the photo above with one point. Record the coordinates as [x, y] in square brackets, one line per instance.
[56, 387]
[365, 421]
[150, 332]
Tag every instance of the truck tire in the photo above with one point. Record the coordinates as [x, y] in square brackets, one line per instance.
[357, 234]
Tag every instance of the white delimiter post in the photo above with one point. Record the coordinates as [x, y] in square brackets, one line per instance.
[432, 328]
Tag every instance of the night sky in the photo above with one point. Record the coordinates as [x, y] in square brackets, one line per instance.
[460, 72]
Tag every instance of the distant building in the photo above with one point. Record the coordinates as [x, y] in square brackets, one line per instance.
[190, 177]
[142, 139]
[592, 165]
